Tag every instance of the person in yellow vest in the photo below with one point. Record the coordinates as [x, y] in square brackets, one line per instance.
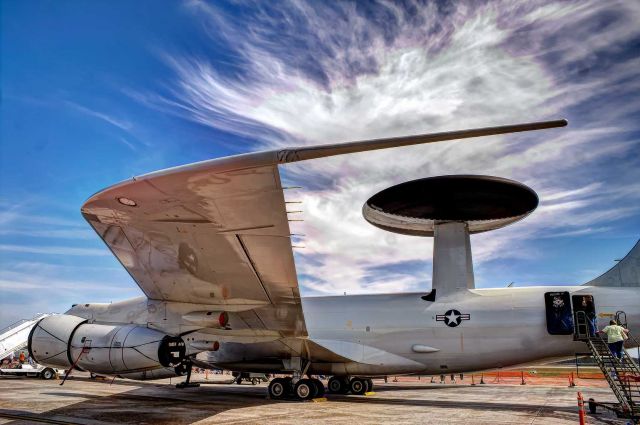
[22, 357]
[616, 335]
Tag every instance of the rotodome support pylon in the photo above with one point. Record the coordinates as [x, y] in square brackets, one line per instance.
[449, 209]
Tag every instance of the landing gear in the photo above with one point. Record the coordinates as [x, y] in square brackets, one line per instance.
[355, 385]
[338, 385]
[319, 387]
[369, 382]
[305, 389]
[358, 386]
[278, 388]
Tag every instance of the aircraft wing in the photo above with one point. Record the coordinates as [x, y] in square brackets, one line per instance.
[217, 233]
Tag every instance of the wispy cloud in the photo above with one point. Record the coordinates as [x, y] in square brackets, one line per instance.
[52, 233]
[115, 121]
[54, 250]
[20, 220]
[311, 73]
[22, 214]
[26, 288]
[128, 144]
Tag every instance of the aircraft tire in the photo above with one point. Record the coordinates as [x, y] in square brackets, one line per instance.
[305, 389]
[369, 382]
[358, 386]
[288, 382]
[278, 389]
[319, 386]
[338, 385]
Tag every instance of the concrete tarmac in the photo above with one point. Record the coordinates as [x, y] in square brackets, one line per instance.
[85, 401]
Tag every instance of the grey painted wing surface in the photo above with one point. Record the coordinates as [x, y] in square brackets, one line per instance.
[207, 235]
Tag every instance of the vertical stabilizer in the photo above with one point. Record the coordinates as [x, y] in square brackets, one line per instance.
[624, 274]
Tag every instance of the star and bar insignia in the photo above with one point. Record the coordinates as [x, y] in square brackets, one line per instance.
[452, 318]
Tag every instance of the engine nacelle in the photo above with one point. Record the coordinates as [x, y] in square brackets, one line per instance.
[65, 340]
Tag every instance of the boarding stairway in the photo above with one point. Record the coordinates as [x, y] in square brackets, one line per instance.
[623, 375]
[14, 337]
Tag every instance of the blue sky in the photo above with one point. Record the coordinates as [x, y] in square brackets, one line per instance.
[96, 92]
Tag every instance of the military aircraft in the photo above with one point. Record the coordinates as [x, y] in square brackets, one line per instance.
[210, 246]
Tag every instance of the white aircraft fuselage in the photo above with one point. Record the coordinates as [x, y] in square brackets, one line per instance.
[373, 335]
[501, 327]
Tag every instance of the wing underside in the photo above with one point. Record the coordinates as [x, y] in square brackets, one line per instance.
[206, 237]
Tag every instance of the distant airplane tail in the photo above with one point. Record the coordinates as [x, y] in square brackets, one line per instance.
[624, 274]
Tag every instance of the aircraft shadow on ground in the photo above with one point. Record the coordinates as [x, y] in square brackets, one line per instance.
[162, 404]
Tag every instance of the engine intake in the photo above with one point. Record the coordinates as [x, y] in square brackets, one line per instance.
[63, 340]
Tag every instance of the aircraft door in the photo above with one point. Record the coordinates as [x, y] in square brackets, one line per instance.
[584, 313]
[558, 312]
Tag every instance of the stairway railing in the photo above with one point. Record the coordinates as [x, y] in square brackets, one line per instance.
[622, 374]
[20, 322]
[610, 370]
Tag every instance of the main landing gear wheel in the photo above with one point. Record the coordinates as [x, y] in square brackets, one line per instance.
[278, 388]
[319, 387]
[358, 386]
[369, 382]
[305, 389]
[288, 385]
[338, 385]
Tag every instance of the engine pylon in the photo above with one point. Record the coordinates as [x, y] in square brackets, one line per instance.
[450, 208]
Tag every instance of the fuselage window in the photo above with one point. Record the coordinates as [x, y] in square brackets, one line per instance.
[558, 310]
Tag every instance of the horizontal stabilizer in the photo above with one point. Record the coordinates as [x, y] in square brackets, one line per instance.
[624, 274]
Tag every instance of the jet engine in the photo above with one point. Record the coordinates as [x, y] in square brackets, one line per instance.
[65, 340]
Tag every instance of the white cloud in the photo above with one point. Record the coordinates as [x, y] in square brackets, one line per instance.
[37, 287]
[470, 68]
[117, 122]
[52, 233]
[54, 250]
